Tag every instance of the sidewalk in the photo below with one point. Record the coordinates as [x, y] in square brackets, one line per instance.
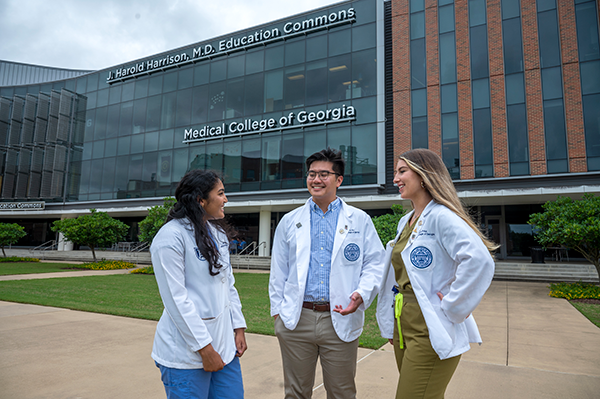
[534, 346]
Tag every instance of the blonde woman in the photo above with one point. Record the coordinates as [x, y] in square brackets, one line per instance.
[439, 267]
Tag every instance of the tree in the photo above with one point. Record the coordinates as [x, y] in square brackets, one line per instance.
[387, 225]
[10, 233]
[157, 216]
[96, 230]
[572, 224]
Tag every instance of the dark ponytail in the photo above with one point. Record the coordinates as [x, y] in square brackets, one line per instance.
[193, 187]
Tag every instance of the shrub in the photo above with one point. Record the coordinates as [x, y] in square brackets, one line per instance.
[143, 270]
[108, 265]
[18, 259]
[579, 290]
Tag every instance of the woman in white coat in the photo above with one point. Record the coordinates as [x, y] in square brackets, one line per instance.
[200, 335]
[439, 267]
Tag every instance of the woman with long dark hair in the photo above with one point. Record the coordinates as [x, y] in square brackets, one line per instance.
[200, 335]
[440, 265]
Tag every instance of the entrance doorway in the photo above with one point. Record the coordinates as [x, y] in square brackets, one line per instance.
[495, 232]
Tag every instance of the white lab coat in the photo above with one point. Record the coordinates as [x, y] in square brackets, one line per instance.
[200, 309]
[351, 270]
[443, 254]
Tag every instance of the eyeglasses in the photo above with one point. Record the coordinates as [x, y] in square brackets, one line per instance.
[323, 174]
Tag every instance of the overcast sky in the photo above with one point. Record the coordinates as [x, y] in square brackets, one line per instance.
[96, 34]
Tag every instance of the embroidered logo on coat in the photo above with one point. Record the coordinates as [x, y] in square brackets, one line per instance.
[352, 252]
[421, 257]
[198, 254]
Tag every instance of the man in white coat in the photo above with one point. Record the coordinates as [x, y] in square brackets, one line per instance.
[326, 264]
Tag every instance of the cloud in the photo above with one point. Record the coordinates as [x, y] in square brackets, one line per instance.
[79, 34]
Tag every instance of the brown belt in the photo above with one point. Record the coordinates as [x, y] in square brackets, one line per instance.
[316, 306]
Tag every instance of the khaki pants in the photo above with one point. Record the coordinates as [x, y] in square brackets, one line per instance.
[422, 374]
[314, 337]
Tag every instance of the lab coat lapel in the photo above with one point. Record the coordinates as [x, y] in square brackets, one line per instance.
[341, 232]
[302, 229]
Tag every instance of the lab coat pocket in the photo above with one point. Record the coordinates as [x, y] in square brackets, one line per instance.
[219, 327]
[446, 323]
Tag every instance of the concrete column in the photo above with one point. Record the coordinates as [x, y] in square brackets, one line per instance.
[264, 232]
[63, 243]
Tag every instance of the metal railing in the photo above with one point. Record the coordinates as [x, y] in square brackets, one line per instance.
[48, 245]
[248, 251]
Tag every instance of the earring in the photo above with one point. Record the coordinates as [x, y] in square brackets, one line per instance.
[422, 184]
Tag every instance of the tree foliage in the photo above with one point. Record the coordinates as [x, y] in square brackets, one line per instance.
[387, 225]
[10, 233]
[157, 216]
[96, 230]
[572, 224]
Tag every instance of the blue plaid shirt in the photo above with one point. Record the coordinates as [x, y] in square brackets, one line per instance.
[322, 231]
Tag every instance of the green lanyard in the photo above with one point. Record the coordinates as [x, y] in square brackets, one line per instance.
[397, 313]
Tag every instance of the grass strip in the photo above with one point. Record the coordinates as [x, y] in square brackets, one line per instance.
[10, 268]
[589, 310]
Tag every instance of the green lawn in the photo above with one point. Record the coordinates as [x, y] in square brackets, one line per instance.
[589, 310]
[136, 295]
[7, 268]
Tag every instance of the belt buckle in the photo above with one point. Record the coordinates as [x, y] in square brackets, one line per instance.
[318, 303]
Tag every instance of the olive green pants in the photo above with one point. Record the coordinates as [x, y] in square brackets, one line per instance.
[422, 373]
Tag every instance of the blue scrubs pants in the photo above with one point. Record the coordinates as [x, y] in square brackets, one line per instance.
[200, 384]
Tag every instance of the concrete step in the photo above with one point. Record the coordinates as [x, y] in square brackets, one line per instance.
[555, 271]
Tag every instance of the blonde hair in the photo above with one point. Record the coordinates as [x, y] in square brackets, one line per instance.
[430, 167]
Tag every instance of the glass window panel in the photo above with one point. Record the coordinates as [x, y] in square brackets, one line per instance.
[366, 10]
[235, 66]
[273, 91]
[447, 58]
[122, 165]
[141, 88]
[201, 74]
[417, 5]
[135, 172]
[112, 121]
[197, 156]
[96, 183]
[235, 98]
[554, 126]
[482, 137]
[548, 38]
[339, 74]
[186, 78]
[591, 121]
[557, 166]
[518, 142]
[316, 48]
[100, 125]
[481, 93]
[362, 157]
[364, 37]
[587, 31]
[513, 46]
[151, 142]
[340, 42]
[98, 151]
[450, 149]
[273, 58]
[511, 9]
[251, 162]
[479, 52]
[292, 160]
[419, 102]
[216, 101]
[551, 83]
[417, 64]
[127, 93]
[364, 73]
[417, 25]
[165, 167]
[170, 82]
[316, 82]
[339, 139]
[367, 107]
[218, 70]
[169, 106]
[232, 161]
[294, 87]
[165, 139]
[137, 143]
[515, 90]
[255, 61]
[477, 12]
[93, 82]
[590, 77]
[155, 85]
[444, 2]
[180, 164]
[294, 53]
[253, 97]
[102, 100]
[114, 94]
[108, 175]
[91, 100]
[90, 125]
[543, 5]
[125, 124]
[139, 115]
[123, 145]
[81, 86]
[419, 133]
[184, 108]
[271, 156]
[149, 173]
[450, 126]
[449, 98]
[199, 104]
[446, 16]
[314, 141]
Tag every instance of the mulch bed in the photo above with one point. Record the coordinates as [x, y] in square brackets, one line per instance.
[588, 301]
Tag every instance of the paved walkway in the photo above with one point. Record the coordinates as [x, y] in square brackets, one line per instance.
[534, 346]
